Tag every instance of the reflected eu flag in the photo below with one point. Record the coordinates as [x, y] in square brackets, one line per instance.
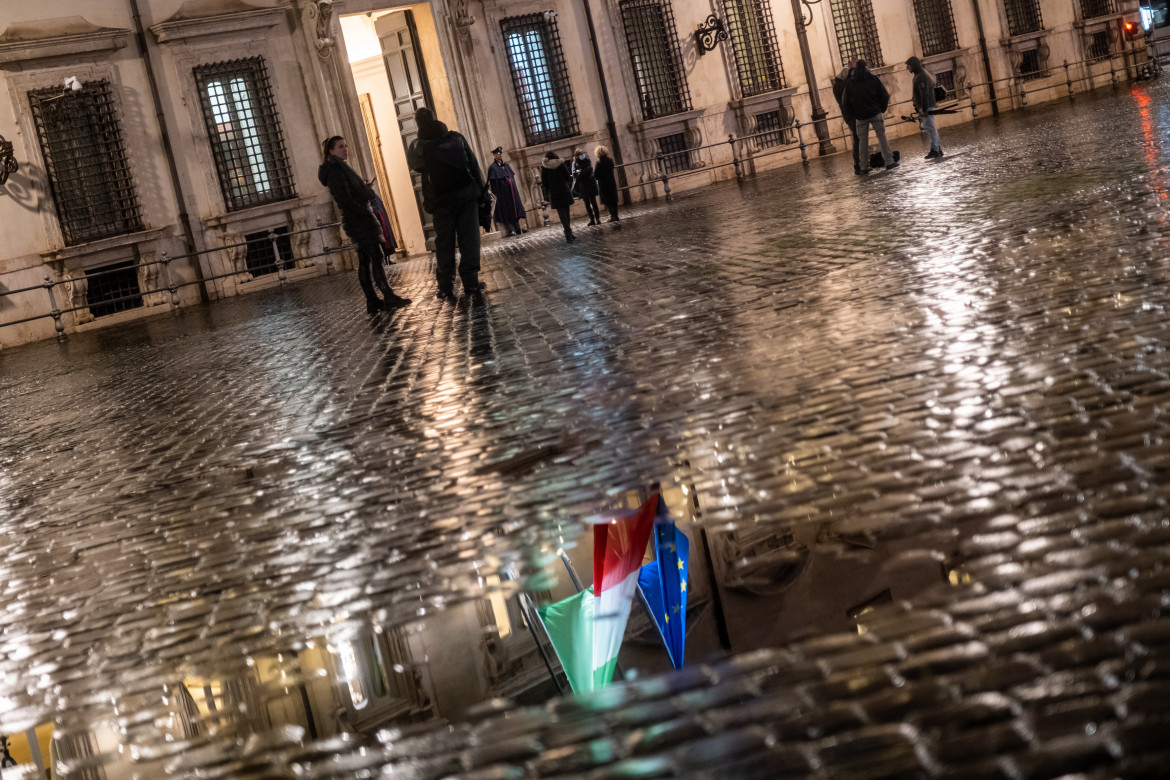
[664, 585]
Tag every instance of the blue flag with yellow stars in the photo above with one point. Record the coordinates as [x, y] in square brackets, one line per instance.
[663, 582]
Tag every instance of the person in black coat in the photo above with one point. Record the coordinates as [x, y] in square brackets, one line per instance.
[502, 181]
[355, 201]
[557, 183]
[839, 83]
[866, 99]
[606, 183]
[585, 184]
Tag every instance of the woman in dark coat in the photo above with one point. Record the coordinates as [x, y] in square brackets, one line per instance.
[355, 200]
[557, 184]
[586, 185]
[502, 180]
[606, 183]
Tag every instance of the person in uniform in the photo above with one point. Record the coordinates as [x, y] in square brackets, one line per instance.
[509, 208]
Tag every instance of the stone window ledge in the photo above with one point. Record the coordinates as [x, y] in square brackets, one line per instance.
[102, 251]
[666, 125]
[1023, 42]
[1097, 22]
[765, 99]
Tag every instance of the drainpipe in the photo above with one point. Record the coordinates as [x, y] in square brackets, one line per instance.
[168, 149]
[986, 59]
[814, 97]
[610, 125]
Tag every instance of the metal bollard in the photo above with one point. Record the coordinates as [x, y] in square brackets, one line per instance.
[1112, 72]
[1068, 80]
[1023, 93]
[170, 282]
[974, 108]
[735, 157]
[800, 140]
[663, 174]
[58, 323]
[276, 257]
[544, 212]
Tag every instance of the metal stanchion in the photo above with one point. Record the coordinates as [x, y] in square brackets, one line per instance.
[800, 140]
[58, 322]
[735, 157]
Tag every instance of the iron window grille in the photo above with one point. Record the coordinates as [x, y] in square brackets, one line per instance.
[773, 130]
[936, 26]
[946, 80]
[113, 288]
[753, 44]
[261, 258]
[676, 157]
[80, 136]
[540, 77]
[652, 38]
[1030, 65]
[1090, 9]
[1023, 16]
[1099, 45]
[857, 36]
[246, 139]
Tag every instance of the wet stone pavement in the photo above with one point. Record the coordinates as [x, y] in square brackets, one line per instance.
[965, 364]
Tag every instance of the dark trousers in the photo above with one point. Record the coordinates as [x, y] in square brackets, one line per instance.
[370, 264]
[563, 213]
[612, 208]
[591, 208]
[857, 152]
[458, 224]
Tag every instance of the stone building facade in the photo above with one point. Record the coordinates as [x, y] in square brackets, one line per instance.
[165, 151]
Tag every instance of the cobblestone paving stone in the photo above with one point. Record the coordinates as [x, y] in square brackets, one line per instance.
[972, 356]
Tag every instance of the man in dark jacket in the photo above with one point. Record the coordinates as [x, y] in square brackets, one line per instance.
[452, 188]
[866, 98]
[850, 120]
[557, 183]
[924, 104]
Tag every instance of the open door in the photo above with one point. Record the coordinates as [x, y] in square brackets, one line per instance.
[411, 90]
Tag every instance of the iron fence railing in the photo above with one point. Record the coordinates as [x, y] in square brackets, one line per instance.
[170, 282]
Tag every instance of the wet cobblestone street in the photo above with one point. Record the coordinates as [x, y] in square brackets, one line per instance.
[961, 366]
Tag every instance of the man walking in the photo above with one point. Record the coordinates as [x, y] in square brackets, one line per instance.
[866, 98]
[924, 104]
[839, 94]
[452, 188]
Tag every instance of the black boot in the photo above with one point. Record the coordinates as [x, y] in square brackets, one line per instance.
[395, 301]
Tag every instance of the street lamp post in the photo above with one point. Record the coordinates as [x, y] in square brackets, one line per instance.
[818, 112]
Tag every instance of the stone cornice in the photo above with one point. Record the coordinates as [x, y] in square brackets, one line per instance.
[25, 42]
[214, 18]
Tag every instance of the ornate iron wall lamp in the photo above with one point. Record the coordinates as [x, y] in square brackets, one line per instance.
[8, 163]
[709, 34]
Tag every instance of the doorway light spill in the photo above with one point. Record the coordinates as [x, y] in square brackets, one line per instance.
[353, 680]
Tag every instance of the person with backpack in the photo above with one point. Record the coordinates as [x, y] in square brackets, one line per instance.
[925, 100]
[866, 98]
[453, 189]
[557, 183]
[356, 202]
[839, 83]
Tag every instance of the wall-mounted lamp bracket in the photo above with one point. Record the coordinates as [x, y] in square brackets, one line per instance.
[709, 34]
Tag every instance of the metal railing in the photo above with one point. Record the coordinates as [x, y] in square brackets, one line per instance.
[171, 283]
[653, 171]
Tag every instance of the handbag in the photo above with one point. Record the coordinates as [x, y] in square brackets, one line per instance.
[485, 213]
[940, 93]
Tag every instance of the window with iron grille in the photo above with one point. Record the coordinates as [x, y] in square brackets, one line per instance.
[540, 77]
[245, 135]
[261, 258]
[753, 44]
[1030, 65]
[1099, 45]
[654, 52]
[1091, 9]
[675, 155]
[857, 36]
[1023, 16]
[946, 80]
[85, 160]
[936, 26]
[112, 288]
[772, 130]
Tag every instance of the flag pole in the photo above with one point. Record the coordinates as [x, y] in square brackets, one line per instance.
[530, 617]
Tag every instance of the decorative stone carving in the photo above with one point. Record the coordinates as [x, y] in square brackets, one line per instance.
[150, 280]
[236, 252]
[76, 292]
[302, 242]
[318, 16]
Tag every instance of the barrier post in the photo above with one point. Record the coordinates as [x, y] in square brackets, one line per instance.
[735, 157]
[58, 322]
